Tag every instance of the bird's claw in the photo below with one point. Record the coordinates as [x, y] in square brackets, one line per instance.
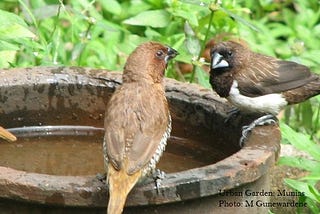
[101, 177]
[264, 120]
[158, 176]
[231, 113]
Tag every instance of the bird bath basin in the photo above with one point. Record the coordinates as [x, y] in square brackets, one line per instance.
[57, 114]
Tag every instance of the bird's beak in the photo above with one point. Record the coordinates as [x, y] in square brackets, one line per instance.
[172, 53]
[217, 61]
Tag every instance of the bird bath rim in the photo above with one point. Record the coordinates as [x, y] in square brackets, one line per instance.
[244, 166]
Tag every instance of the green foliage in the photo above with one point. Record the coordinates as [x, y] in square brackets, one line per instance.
[307, 184]
[13, 33]
[152, 18]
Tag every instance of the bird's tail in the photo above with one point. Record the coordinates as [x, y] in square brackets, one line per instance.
[120, 184]
[7, 135]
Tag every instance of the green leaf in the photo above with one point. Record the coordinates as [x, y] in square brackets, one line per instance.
[112, 6]
[289, 17]
[193, 46]
[7, 58]
[190, 17]
[12, 26]
[192, 42]
[203, 77]
[279, 29]
[157, 3]
[135, 7]
[305, 188]
[46, 11]
[15, 31]
[300, 141]
[152, 18]
[241, 20]
[299, 162]
[150, 33]
[8, 46]
[315, 192]
[312, 205]
[7, 19]
[177, 40]
[307, 113]
[312, 177]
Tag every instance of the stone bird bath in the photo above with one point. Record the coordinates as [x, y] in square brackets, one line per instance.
[202, 160]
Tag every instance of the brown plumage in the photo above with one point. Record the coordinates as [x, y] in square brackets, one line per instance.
[137, 122]
[241, 75]
[4, 134]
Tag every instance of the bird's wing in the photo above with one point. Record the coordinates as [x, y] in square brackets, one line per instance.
[274, 77]
[115, 137]
[134, 132]
[147, 140]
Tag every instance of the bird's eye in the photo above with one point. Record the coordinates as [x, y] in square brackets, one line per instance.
[230, 53]
[159, 53]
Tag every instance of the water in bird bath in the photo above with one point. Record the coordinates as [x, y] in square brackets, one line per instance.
[77, 150]
[54, 155]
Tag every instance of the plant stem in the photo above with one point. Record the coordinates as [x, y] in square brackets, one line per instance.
[84, 42]
[316, 124]
[33, 18]
[56, 20]
[203, 44]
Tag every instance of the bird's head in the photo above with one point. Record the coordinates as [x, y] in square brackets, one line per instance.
[148, 61]
[227, 57]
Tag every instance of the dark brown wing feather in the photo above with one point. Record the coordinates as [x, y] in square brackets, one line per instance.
[269, 75]
[135, 137]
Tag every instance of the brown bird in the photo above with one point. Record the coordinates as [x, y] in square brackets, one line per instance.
[257, 83]
[4, 134]
[137, 122]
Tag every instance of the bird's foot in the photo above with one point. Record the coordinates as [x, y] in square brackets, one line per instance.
[158, 176]
[232, 113]
[101, 177]
[264, 120]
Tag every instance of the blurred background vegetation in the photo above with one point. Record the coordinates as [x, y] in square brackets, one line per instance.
[102, 33]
